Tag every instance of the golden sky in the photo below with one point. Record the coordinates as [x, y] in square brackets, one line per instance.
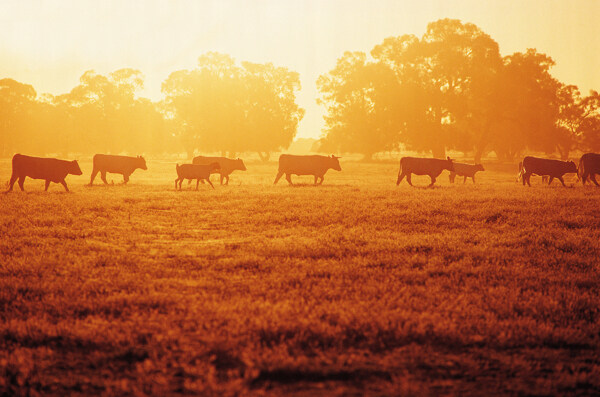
[49, 44]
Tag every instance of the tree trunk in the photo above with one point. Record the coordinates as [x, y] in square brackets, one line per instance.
[563, 152]
[367, 157]
[264, 157]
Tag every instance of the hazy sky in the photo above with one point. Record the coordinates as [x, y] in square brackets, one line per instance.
[49, 44]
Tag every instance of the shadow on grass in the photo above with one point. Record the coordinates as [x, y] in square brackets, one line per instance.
[289, 376]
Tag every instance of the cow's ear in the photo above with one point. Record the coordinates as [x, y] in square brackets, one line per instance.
[449, 159]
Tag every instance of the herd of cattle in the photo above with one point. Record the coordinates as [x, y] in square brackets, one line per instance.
[55, 170]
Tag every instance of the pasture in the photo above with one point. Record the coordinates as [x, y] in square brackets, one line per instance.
[357, 286]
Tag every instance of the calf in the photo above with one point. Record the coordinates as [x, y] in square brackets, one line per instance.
[423, 166]
[466, 170]
[195, 171]
[227, 165]
[52, 170]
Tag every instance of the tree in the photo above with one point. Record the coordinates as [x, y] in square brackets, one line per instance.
[359, 115]
[17, 101]
[578, 121]
[221, 106]
[429, 94]
[527, 104]
[271, 112]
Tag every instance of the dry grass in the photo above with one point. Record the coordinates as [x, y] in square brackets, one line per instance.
[357, 286]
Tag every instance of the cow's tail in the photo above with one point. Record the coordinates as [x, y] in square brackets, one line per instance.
[521, 171]
[580, 169]
[14, 169]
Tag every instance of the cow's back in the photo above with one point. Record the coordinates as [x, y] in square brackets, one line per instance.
[114, 163]
[591, 163]
[303, 165]
[539, 166]
[422, 166]
[54, 170]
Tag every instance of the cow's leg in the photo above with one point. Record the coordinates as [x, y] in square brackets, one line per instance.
[593, 178]
[409, 179]
[451, 177]
[288, 177]
[550, 180]
[400, 177]
[176, 180]
[279, 175]
[12, 181]
[210, 183]
[46, 185]
[222, 178]
[526, 179]
[584, 178]
[64, 183]
[103, 177]
[21, 182]
[473, 177]
[465, 180]
[227, 180]
[125, 178]
[198, 182]
[560, 178]
[94, 173]
[432, 180]
[322, 177]
[316, 179]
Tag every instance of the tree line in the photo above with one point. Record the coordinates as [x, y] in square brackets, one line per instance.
[219, 106]
[450, 89]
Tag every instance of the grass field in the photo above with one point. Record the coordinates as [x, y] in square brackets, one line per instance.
[353, 287]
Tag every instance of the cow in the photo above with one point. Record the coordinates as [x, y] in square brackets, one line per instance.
[552, 168]
[522, 171]
[52, 170]
[589, 166]
[123, 165]
[227, 165]
[195, 171]
[315, 165]
[423, 166]
[466, 170]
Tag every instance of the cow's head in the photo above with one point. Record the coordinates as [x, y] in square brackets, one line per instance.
[479, 167]
[239, 165]
[141, 163]
[335, 163]
[450, 164]
[214, 166]
[571, 167]
[74, 168]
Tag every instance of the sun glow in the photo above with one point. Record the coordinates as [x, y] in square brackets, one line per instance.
[50, 44]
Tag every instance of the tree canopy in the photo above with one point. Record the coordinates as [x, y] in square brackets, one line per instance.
[452, 89]
[222, 106]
